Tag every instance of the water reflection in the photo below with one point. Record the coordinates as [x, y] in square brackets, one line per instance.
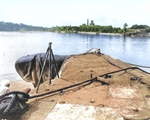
[124, 44]
[87, 41]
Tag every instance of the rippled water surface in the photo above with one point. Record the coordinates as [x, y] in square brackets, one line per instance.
[16, 44]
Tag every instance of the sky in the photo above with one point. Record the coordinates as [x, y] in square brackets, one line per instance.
[49, 13]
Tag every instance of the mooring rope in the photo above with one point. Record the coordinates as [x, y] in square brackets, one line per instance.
[139, 65]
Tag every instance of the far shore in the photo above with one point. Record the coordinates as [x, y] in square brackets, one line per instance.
[95, 33]
[99, 33]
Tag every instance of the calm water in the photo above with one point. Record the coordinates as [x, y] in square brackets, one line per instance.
[16, 44]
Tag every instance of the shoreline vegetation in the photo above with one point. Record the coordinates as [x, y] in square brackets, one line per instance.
[135, 30]
[93, 33]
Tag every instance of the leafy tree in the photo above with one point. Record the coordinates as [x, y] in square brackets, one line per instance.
[125, 27]
[140, 27]
[92, 22]
[120, 31]
[107, 29]
[8, 26]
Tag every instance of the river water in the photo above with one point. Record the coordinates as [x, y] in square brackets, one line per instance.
[14, 45]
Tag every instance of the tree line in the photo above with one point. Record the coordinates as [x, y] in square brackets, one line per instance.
[87, 28]
[8, 26]
[100, 29]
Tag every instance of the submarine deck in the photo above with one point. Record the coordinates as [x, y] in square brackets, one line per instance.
[120, 95]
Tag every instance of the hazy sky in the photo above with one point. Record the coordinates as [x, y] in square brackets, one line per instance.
[49, 13]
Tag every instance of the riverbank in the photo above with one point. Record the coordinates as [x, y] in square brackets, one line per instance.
[93, 33]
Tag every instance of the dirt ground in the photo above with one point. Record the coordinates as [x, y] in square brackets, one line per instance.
[126, 91]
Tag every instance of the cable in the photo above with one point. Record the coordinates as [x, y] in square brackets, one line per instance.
[138, 65]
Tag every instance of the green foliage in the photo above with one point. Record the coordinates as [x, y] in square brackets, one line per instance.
[125, 27]
[120, 31]
[92, 22]
[107, 29]
[88, 28]
[8, 26]
[140, 27]
[131, 30]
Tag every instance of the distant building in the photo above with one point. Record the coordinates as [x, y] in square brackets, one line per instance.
[87, 21]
